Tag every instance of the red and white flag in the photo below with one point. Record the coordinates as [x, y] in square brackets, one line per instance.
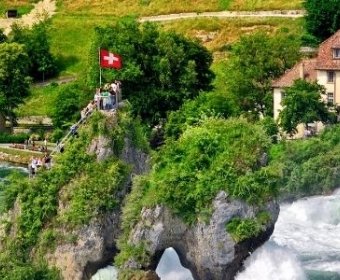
[110, 60]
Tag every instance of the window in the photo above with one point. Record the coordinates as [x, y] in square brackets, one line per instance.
[330, 76]
[336, 53]
[283, 95]
[330, 98]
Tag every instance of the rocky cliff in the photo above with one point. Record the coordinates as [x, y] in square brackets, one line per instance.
[207, 249]
[94, 245]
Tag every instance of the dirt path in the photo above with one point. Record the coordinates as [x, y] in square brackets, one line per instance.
[43, 9]
[227, 14]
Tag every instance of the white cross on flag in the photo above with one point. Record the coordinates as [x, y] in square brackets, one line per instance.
[110, 60]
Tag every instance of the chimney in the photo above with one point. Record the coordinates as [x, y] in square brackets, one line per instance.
[302, 70]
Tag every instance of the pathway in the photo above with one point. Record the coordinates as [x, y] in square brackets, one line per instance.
[227, 14]
[43, 9]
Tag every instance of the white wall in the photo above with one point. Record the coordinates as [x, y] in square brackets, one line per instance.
[322, 80]
[277, 102]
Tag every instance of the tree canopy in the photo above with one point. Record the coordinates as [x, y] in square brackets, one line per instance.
[35, 40]
[323, 17]
[303, 104]
[14, 79]
[254, 62]
[160, 69]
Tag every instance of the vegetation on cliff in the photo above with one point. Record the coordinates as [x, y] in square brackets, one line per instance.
[86, 187]
[188, 173]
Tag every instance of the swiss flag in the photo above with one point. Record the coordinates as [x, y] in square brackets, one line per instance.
[110, 60]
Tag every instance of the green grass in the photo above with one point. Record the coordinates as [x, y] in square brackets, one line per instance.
[71, 38]
[224, 32]
[156, 7]
[39, 103]
[251, 5]
[138, 7]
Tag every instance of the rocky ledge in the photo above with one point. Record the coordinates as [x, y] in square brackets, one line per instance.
[207, 249]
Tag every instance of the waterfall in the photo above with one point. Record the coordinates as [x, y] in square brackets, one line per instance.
[305, 243]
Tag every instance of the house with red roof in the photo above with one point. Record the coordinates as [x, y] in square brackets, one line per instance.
[324, 69]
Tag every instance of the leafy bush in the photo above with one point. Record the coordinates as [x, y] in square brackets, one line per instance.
[308, 166]
[13, 138]
[241, 229]
[68, 103]
[192, 112]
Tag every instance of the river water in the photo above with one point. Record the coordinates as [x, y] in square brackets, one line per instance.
[7, 169]
[305, 245]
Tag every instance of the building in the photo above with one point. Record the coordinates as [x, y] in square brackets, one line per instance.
[324, 69]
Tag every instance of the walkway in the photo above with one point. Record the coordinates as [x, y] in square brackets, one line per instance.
[226, 14]
[42, 10]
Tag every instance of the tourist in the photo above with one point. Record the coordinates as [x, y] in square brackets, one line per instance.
[45, 144]
[34, 166]
[73, 130]
[97, 98]
[112, 100]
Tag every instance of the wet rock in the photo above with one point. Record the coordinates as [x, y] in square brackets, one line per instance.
[207, 249]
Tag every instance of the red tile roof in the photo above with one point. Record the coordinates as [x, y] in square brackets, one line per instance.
[288, 78]
[325, 60]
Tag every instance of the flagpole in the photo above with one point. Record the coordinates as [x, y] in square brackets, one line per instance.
[100, 69]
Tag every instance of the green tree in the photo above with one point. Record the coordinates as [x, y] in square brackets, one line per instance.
[14, 80]
[69, 101]
[3, 37]
[303, 104]
[160, 69]
[254, 62]
[323, 17]
[206, 105]
[36, 42]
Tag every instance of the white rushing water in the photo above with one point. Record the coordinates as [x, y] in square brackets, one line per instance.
[305, 245]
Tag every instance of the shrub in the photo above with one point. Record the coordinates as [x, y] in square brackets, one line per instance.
[13, 138]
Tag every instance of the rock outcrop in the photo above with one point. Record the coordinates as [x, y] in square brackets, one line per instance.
[207, 249]
[94, 245]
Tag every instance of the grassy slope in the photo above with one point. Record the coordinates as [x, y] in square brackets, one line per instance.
[152, 7]
[73, 27]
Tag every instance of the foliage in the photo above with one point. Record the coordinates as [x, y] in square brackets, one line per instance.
[57, 135]
[11, 269]
[13, 138]
[88, 188]
[3, 37]
[69, 101]
[204, 106]
[14, 80]
[9, 190]
[309, 166]
[270, 127]
[42, 63]
[322, 18]
[95, 192]
[254, 62]
[303, 104]
[242, 229]
[188, 173]
[160, 70]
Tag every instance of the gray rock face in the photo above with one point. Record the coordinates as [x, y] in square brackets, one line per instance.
[94, 245]
[92, 249]
[207, 250]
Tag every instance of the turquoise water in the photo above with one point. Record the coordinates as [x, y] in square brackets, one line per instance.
[6, 169]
